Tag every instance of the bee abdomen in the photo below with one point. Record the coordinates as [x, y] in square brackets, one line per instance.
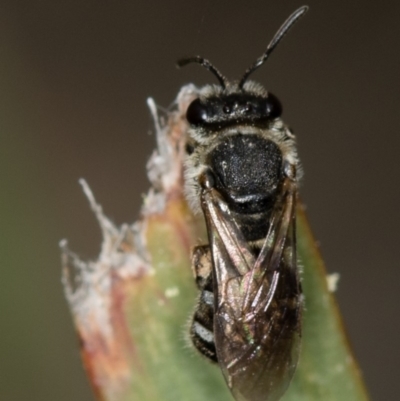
[201, 330]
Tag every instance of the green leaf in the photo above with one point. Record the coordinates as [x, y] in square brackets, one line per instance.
[327, 369]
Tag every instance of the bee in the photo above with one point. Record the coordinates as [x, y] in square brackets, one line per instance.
[242, 171]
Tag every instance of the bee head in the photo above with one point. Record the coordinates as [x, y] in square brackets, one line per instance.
[240, 102]
[216, 112]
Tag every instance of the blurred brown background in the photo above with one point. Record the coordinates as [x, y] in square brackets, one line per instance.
[75, 76]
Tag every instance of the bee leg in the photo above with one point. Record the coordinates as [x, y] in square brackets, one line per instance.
[201, 265]
[201, 329]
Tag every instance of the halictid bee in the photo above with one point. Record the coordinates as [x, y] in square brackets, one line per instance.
[242, 170]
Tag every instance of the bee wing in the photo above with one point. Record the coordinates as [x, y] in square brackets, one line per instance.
[226, 240]
[258, 301]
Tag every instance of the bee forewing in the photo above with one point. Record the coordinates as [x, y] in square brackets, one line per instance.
[220, 222]
[258, 303]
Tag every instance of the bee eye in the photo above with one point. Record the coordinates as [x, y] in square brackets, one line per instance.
[196, 113]
[273, 106]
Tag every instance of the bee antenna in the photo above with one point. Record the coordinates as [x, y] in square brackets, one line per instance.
[206, 64]
[282, 31]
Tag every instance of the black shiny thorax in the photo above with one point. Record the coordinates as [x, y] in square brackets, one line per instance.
[247, 170]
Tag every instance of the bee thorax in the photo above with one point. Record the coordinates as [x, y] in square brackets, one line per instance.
[248, 169]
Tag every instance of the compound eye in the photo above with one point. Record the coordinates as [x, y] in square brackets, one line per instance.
[273, 106]
[196, 113]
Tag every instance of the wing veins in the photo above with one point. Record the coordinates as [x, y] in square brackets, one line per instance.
[271, 252]
[231, 237]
